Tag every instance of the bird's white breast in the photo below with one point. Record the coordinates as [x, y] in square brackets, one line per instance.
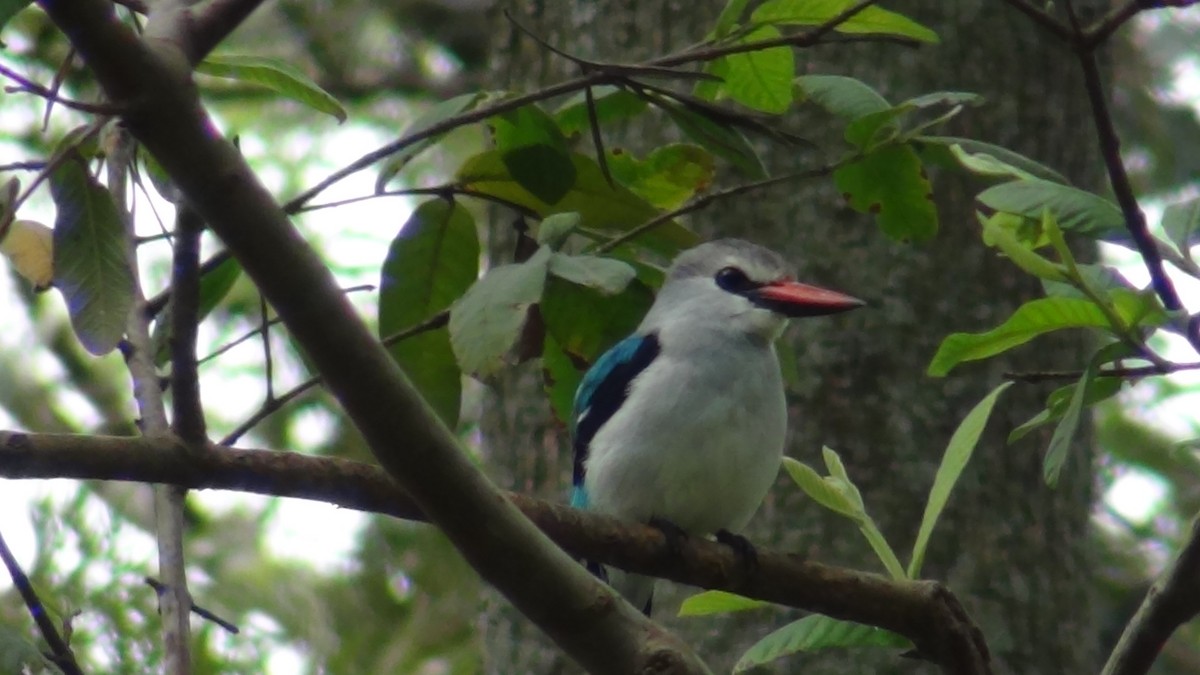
[698, 441]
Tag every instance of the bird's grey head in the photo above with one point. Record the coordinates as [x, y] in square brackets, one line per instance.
[731, 285]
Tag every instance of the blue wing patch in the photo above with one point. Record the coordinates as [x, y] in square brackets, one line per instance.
[602, 392]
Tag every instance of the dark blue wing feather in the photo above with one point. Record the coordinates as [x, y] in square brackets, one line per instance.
[602, 392]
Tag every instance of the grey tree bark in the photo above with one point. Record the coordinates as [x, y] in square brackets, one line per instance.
[1016, 551]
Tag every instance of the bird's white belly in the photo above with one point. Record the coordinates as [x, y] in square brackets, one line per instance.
[700, 461]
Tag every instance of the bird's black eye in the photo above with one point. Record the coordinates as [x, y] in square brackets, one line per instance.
[734, 280]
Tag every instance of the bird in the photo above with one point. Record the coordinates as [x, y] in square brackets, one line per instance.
[682, 424]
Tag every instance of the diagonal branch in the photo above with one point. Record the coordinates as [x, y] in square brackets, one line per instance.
[1172, 601]
[923, 611]
[61, 653]
[601, 632]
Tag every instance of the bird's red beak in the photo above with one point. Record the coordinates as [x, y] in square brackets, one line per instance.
[796, 300]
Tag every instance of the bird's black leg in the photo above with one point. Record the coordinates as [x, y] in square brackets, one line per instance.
[674, 534]
[742, 547]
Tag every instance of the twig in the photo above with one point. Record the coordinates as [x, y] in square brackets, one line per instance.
[272, 406]
[188, 418]
[1172, 601]
[709, 198]
[31, 87]
[446, 191]
[1129, 373]
[168, 500]
[1042, 18]
[32, 165]
[265, 331]
[62, 657]
[1100, 31]
[199, 611]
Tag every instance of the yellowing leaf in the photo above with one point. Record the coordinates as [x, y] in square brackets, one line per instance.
[29, 246]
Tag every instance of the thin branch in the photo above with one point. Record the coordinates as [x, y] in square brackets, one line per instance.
[156, 304]
[1135, 220]
[199, 611]
[446, 191]
[1125, 373]
[709, 198]
[1099, 32]
[265, 331]
[1042, 18]
[599, 74]
[168, 500]
[188, 417]
[62, 656]
[923, 611]
[1172, 601]
[31, 87]
[273, 405]
[32, 165]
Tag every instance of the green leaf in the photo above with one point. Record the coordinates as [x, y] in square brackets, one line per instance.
[891, 184]
[722, 140]
[718, 602]
[1033, 319]
[487, 320]
[20, 655]
[214, 286]
[435, 115]
[762, 79]
[670, 176]
[872, 20]
[585, 321]
[937, 149]
[728, 19]
[600, 206]
[91, 263]
[606, 275]
[996, 232]
[275, 75]
[162, 182]
[1182, 224]
[1068, 426]
[982, 164]
[561, 375]
[842, 96]
[954, 460]
[535, 152]
[613, 104]
[431, 263]
[819, 489]
[817, 632]
[1076, 210]
[1056, 404]
[554, 229]
[9, 9]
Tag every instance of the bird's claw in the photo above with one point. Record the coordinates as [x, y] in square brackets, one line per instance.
[742, 547]
[674, 534]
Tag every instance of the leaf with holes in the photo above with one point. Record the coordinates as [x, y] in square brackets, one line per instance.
[278, 76]
[431, 263]
[91, 263]
[668, 177]
[890, 184]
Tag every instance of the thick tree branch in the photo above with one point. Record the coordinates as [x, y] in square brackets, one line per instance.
[923, 611]
[188, 413]
[152, 81]
[1172, 601]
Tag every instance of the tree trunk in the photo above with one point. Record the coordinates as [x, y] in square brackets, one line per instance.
[1016, 551]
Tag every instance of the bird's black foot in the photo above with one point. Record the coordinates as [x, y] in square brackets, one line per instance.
[742, 547]
[674, 534]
